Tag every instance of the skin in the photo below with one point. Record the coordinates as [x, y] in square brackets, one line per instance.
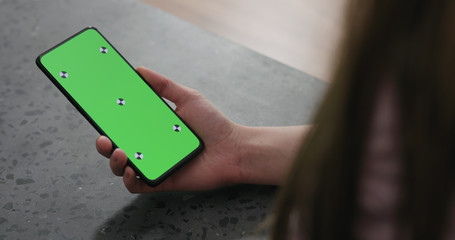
[233, 153]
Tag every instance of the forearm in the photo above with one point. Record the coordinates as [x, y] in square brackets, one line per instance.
[266, 153]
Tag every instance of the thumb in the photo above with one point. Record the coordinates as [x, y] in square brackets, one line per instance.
[165, 87]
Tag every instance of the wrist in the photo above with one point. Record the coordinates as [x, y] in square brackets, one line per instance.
[236, 149]
[266, 153]
[259, 158]
[247, 152]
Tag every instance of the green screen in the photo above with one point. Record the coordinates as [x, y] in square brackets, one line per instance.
[116, 98]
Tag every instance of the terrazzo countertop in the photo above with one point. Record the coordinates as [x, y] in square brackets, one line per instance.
[53, 183]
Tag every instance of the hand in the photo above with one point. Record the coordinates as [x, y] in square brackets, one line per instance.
[217, 165]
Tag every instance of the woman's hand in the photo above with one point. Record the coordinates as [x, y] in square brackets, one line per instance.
[217, 165]
[233, 153]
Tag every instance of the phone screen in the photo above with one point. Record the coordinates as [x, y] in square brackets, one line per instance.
[120, 104]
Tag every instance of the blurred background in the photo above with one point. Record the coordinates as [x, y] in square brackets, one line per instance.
[299, 33]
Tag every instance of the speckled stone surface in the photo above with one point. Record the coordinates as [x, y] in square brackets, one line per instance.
[53, 183]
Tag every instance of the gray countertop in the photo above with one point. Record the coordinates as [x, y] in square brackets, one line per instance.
[53, 183]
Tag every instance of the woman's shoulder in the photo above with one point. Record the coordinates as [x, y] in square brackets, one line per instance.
[380, 174]
[379, 182]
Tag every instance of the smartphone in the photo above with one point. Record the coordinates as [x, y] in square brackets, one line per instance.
[120, 104]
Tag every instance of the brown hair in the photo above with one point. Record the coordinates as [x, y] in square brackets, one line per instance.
[414, 42]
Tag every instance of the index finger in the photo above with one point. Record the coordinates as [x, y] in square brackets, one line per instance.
[165, 87]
